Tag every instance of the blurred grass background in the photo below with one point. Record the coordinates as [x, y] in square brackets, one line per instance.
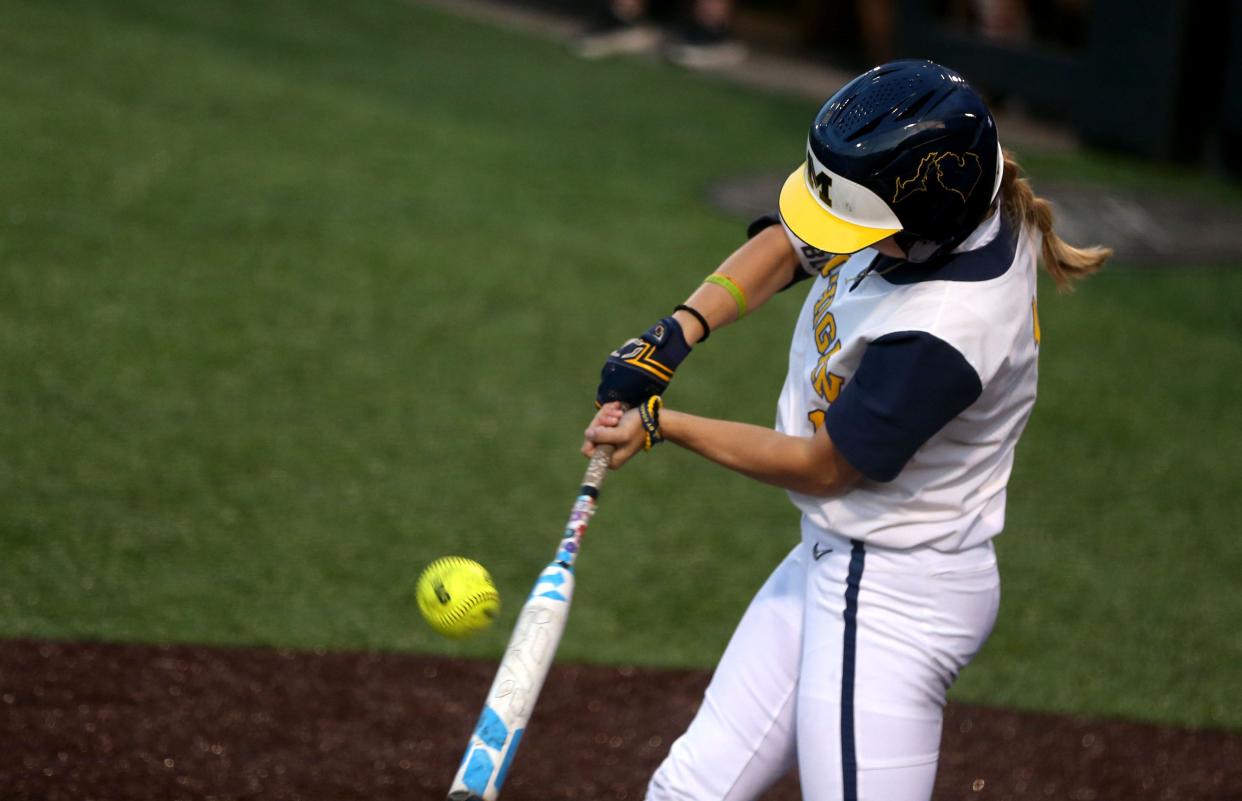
[298, 296]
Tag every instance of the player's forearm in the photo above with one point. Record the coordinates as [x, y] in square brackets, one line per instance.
[760, 268]
[803, 464]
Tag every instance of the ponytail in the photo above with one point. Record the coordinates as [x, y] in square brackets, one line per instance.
[1064, 262]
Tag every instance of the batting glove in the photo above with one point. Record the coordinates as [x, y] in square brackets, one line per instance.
[643, 367]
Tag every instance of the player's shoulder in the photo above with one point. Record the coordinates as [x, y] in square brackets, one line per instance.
[978, 302]
[981, 285]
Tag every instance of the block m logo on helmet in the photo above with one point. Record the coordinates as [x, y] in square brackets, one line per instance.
[951, 172]
[822, 181]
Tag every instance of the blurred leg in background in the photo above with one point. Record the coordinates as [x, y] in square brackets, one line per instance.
[619, 27]
[706, 41]
[999, 20]
[703, 41]
[1003, 20]
[875, 21]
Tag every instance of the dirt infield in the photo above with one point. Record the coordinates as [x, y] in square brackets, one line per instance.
[132, 722]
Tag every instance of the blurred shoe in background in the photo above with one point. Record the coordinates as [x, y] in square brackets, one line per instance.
[701, 47]
[612, 35]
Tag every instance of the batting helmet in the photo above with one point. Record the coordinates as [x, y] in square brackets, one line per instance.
[906, 149]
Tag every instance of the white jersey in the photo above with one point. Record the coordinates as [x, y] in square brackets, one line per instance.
[924, 376]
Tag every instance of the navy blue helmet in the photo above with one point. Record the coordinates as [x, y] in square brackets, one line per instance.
[907, 149]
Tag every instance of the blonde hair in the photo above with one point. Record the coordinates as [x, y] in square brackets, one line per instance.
[1064, 262]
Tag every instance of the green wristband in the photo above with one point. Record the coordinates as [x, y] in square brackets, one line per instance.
[730, 286]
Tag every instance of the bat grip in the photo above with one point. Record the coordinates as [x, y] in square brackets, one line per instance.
[597, 468]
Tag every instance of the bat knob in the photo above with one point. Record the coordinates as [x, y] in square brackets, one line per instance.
[463, 795]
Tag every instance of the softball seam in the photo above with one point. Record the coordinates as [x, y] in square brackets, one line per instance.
[467, 606]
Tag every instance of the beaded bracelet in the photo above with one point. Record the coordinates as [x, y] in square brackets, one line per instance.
[649, 414]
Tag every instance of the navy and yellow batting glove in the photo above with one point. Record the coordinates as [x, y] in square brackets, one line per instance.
[643, 367]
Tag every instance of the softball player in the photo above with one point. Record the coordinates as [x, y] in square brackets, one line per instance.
[912, 373]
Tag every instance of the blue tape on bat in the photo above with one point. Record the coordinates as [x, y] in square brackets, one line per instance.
[478, 772]
[491, 729]
[508, 760]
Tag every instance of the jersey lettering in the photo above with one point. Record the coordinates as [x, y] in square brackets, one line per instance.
[828, 295]
[827, 385]
[832, 262]
[827, 339]
[1035, 318]
[815, 260]
[825, 332]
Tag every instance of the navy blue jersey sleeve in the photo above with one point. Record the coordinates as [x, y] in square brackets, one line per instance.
[760, 223]
[908, 386]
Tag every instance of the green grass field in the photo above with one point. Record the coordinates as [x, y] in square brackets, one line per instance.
[297, 296]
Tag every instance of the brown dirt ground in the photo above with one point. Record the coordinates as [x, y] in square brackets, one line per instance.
[133, 722]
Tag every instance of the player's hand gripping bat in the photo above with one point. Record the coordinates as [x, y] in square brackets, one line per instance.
[531, 649]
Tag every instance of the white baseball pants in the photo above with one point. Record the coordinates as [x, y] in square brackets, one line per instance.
[840, 665]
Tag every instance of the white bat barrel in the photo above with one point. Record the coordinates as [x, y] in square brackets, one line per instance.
[519, 679]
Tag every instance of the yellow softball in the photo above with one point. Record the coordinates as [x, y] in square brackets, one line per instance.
[457, 597]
